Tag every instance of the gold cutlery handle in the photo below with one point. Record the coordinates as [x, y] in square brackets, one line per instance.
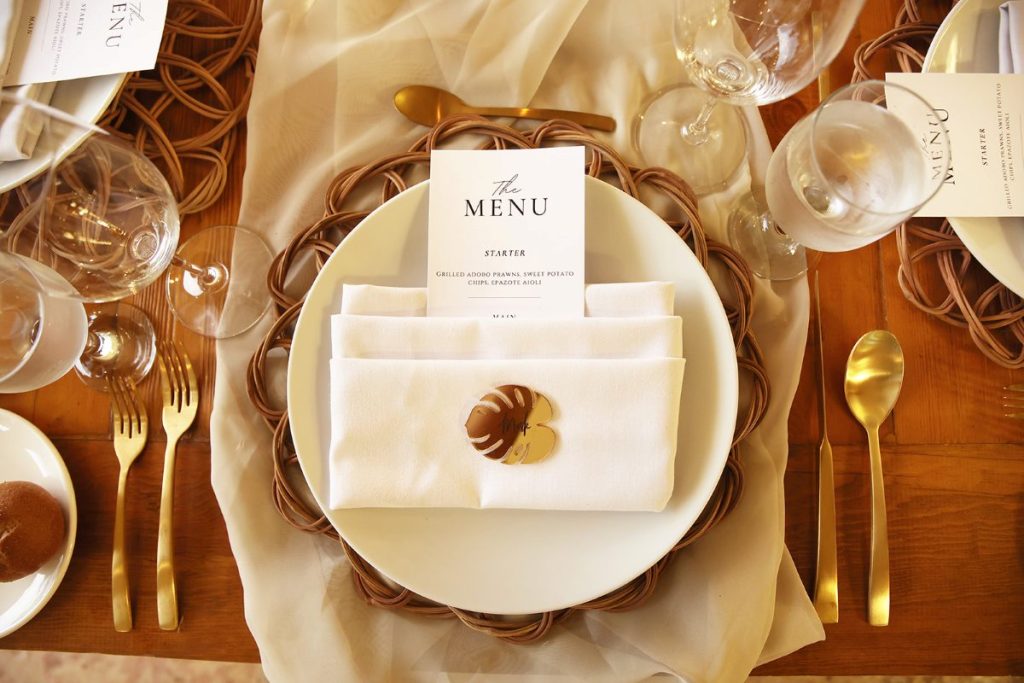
[166, 594]
[595, 121]
[118, 572]
[826, 582]
[878, 579]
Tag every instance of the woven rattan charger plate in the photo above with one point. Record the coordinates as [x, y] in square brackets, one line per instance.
[397, 173]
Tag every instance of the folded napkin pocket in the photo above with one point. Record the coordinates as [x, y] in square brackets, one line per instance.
[403, 434]
[552, 414]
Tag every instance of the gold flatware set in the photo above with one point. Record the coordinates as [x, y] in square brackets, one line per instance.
[873, 379]
[180, 393]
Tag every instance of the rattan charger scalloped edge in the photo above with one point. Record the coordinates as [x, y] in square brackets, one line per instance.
[937, 273]
[392, 174]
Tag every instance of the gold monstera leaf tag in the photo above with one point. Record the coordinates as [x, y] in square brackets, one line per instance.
[508, 424]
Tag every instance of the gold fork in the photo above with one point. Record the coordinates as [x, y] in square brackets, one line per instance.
[1013, 405]
[181, 399]
[131, 428]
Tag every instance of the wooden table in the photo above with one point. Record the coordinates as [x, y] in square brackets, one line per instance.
[954, 484]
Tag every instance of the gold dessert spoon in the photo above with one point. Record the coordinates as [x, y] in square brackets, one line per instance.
[874, 375]
[427, 106]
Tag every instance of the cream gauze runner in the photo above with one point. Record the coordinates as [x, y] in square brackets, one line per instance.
[325, 76]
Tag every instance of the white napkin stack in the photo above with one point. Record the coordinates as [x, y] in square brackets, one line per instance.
[403, 385]
[1011, 37]
[19, 127]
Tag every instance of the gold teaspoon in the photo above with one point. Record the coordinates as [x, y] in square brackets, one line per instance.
[427, 105]
[874, 375]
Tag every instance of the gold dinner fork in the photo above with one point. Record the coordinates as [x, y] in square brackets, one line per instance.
[1013, 401]
[181, 399]
[130, 427]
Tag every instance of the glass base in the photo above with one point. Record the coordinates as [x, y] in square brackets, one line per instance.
[709, 165]
[121, 342]
[208, 295]
[769, 252]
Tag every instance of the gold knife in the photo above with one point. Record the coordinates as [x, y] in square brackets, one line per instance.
[826, 580]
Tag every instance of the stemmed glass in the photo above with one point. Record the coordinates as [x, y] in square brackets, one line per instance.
[844, 176]
[101, 217]
[41, 336]
[734, 52]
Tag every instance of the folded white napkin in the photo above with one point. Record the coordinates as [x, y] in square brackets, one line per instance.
[403, 386]
[20, 127]
[604, 300]
[1011, 37]
[10, 11]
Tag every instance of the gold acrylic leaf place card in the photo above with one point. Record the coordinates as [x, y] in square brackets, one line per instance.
[510, 425]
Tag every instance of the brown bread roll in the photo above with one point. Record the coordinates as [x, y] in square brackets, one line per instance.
[31, 528]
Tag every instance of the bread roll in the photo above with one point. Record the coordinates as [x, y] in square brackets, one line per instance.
[31, 528]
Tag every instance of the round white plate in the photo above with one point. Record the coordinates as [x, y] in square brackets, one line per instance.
[85, 99]
[523, 561]
[29, 456]
[968, 42]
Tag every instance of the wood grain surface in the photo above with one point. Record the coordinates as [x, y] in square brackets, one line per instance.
[954, 472]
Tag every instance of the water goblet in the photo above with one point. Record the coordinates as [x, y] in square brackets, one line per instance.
[735, 53]
[844, 176]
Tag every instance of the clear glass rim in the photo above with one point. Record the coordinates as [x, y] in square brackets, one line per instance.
[13, 261]
[883, 85]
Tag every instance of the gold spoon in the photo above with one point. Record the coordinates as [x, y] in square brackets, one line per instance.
[874, 375]
[427, 105]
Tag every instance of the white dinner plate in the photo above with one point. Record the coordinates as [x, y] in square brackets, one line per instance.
[85, 99]
[27, 455]
[523, 561]
[968, 42]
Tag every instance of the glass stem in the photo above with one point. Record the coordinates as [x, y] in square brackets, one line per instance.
[198, 271]
[697, 132]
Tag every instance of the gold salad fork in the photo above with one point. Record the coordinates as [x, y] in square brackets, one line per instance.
[181, 399]
[131, 428]
[1013, 401]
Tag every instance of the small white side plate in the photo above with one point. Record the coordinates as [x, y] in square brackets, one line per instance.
[27, 455]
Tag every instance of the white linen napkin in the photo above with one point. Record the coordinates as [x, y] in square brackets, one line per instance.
[20, 126]
[1011, 37]
[10, 11]
[19, 129]
[726, 603]
[602, 299]
[398, 437]
[402, 386]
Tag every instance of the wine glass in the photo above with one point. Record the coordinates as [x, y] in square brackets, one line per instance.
[734, 52]
[844, 176]
[41, 335]
[103, 217]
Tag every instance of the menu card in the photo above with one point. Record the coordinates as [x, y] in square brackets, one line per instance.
[506, 233]
[59, 40]
[984, 116]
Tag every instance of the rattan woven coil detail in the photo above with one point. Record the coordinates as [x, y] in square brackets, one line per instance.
[182, 113]
[160, 111]
[937, 273]
[393, 174]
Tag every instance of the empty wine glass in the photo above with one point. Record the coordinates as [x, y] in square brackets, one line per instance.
[103, 216]
[734, 52]
[844, 176]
